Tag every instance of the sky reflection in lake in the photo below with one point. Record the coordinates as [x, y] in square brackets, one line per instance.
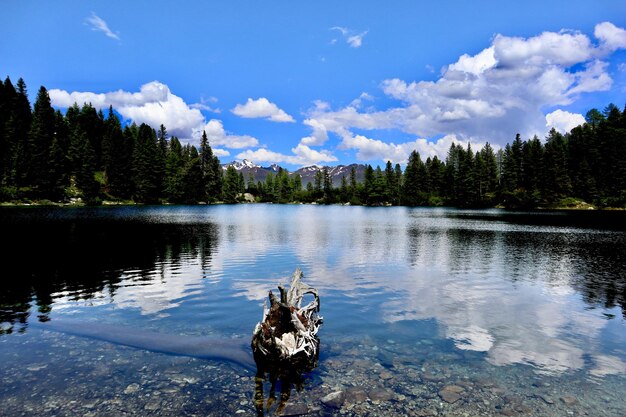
[543, 291]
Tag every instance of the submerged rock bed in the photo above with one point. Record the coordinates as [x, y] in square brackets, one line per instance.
[72, 376]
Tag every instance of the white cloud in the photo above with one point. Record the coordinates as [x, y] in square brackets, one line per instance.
[373, 149]
[612, 37]
[319, 135]
[549, 48]
[475, 64]
[490, 96]
[593, 78]
[204, 105]
[262, 108]
[219, 137]
[100, 25]
[302, 156]
[220, 152]
[344, 31]
[353, 39]
[154, 105]
[358, 102]
[356, 41]
[563, 121]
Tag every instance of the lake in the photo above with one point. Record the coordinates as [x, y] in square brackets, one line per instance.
[427, 311]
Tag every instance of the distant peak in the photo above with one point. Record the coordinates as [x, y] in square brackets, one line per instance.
[239, 165]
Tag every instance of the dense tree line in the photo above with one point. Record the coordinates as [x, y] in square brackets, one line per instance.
[83, 154]
[47, 155]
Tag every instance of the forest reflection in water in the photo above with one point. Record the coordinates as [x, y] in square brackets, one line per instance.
[535, 289]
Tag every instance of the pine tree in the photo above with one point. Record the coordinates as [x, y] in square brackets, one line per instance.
[85, 174]
[378, 191]
[40, 139]
[436, 172]
[270, 191]
[193, 181]
[145, 156]
[490, 166]
[174, 172]
[353, 189]
[613, 143]
[252, 188]
[580, 156]
[211, 170]
[344, 195]
[556, 184]
[399, 175]
[368, 184]
[297, 183]
[15, 120]
[59, 166]
[91, 122]
[328, 186]
[117, 153]
[231, 185]
[19, 125]
[414, 190]
[532, 161]
[508, 176]
[392, 194]
[451, 175]
[6, 149]
[467, 192]
[317, 185]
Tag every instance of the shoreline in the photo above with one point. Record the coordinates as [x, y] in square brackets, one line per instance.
[108, 203]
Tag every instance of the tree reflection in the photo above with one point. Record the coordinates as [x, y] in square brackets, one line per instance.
[82, 257]
[282, 375]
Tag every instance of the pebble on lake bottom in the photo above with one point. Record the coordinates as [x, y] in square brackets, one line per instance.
[142, 383]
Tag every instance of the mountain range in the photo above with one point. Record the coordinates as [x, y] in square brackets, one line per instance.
[306, 173]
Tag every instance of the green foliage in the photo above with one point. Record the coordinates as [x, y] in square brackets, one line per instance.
[45, 155]
[232, 185]
[211, 170]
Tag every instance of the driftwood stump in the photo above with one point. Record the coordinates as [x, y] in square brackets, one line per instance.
[285, 343]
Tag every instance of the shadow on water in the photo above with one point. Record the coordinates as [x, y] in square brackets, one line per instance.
[81, 256]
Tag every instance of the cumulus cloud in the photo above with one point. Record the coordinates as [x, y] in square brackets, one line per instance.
[612, 37]
[302, 156]
[220, 152]
[219, 137]
[373, 149]
[490, 96]
[100, 25]
[564, 121]
[262, 108]
[154, 105]
[476, 64]
[319, 135]
[353, 38]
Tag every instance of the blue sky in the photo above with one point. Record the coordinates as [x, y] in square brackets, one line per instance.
[325, 82]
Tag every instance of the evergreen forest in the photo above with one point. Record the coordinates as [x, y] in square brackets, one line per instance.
[88, 157]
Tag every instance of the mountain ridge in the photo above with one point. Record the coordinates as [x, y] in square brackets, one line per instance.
[307, 174]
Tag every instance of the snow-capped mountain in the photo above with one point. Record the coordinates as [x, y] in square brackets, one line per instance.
[307, 174]
[240, 165]
[336, 172]
[246, 167]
